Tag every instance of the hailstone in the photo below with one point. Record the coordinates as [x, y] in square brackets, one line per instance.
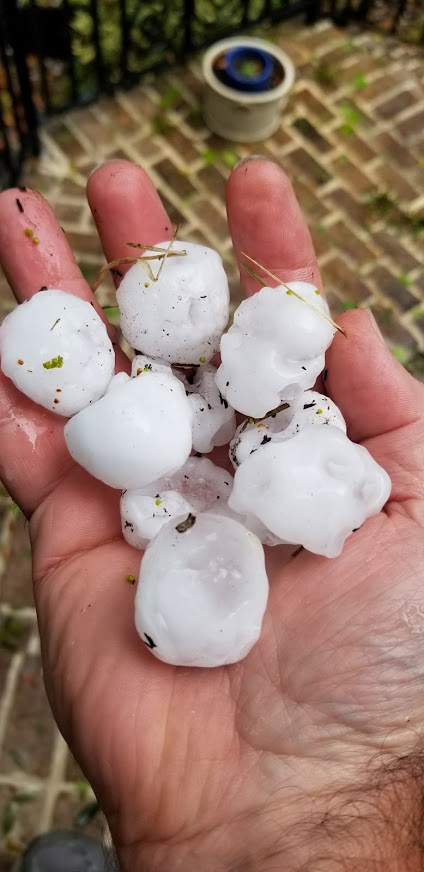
[202, 592]
[180, 315]
[275, 348]
[137, 433]
[56, 350]
[199, 486]
[308, 408]
[313, 489]
[214, 421]
[143, 364]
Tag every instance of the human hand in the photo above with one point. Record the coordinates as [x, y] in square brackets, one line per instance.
[289, 759]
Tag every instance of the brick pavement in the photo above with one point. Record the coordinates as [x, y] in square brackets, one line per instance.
[352, 139]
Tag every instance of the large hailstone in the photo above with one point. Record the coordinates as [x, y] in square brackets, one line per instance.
[312, 490]
[214, 421]
[199, 486]
[56, 350]
[308, 408]
[274, 350]
[181, 316]
[139, 432]
[202, 592]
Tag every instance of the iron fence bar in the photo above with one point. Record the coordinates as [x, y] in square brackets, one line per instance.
[189, 15]
[6, 149]
[94, 12]
[125, 40]
[6, 67]
[70, 59]
[22, 72]
[400, 9]
[45, 91]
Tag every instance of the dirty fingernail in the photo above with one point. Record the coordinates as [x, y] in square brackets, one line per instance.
[245, 160]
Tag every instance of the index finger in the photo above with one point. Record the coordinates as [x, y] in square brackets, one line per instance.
[34, 253]
[266, 223]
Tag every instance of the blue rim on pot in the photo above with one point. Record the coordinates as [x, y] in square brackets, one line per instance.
[237, 61]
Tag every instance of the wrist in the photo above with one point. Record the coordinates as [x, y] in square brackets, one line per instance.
[372, 825]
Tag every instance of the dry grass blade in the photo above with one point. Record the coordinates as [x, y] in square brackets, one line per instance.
[146, 247]
[112, 265]
[168, 251]
[254, 276]
[296, 294]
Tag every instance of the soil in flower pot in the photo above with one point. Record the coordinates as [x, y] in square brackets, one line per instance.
[249, 69]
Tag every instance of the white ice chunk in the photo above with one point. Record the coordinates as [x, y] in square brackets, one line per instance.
[202, 592]
[199, 486]
[312, 490]
[139, 432]
[214, 421]
[274, 350]
[310, 407]
[143, 364]
[56, 350]
[181, 316]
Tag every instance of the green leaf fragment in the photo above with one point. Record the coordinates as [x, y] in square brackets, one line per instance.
[14, 509]
[54, 363]
[82, 788]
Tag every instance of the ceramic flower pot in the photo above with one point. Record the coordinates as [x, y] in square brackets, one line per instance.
[247, 82]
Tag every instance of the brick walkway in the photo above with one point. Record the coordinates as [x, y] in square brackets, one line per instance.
[352, 139]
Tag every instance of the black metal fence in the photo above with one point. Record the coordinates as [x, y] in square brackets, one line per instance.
[55, 54]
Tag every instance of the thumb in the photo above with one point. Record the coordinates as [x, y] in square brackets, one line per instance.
[372, 389]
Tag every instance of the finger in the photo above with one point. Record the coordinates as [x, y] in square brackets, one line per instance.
[34, 251]
[33, 454]
[375, 393]
[382, 403]
[266, 223]
[126, 208]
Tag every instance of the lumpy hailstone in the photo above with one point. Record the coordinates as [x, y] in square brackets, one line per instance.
[199, 486]
[142, 364]
[308, 408]
[214, 421]
[56, 350]
[312, 490]
[181, 316]
[137, 433]
[202, 592]
[274, 350]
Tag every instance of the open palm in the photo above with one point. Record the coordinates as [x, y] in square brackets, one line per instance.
[197, 769]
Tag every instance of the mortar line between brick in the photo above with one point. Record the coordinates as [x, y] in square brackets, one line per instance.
[9, 692]
[26, 614]
[53, 783]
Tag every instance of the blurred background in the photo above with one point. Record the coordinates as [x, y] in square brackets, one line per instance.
[82, 81]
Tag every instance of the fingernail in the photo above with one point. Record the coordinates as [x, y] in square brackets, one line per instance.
[102, 164]
[245, 160]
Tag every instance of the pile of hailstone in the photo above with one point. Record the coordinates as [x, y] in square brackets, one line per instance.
[298, 478]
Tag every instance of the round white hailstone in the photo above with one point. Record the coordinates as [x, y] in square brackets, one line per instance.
[181, 316]
[312, 490]
[202, 592]
[199, 486]
[308, 408]
[214, 421]
[56, 350]
[137, 433]
[143, 364]
[274, 350]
